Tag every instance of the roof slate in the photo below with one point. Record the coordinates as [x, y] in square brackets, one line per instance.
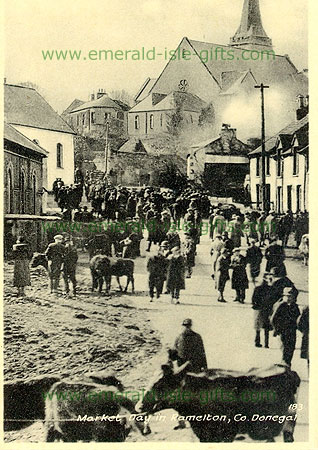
[13, 135]
[25, 106]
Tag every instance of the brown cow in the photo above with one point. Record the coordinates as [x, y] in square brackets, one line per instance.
[104, 267]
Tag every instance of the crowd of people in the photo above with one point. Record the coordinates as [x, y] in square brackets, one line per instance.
[174, 223]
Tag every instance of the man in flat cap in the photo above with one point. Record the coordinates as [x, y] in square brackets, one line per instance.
[284, 321]
[189, 347]
[55, 255]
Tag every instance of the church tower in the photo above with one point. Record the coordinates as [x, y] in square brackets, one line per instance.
[251, 34]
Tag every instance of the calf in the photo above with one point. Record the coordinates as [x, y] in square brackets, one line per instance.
[104, 267]
[39, 259]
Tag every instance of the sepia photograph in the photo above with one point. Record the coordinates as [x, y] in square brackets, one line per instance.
[156, 223]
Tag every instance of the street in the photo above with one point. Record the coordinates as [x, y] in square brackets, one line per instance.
[227, 329]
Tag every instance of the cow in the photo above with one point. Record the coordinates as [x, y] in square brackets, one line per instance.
[24, 402]
[104, 267]
[39, 259]
[87, 411]
[221, 419]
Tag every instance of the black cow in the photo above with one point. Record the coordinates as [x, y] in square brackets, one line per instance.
[87, 411]
[199, 395]
[104, 267]
[24, 401]
[39, 259]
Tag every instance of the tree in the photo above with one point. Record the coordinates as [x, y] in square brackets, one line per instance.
[171, 177]
[207, 115]
[122, 95]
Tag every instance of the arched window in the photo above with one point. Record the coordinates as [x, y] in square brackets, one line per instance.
[22, 189]
[59, 156]
[34, 193]
[93, 117]
[10, 192]
[151, 121]
[137, 122]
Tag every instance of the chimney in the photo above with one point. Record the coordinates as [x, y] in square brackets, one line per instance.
[227, 132]
[303, 107]
[100, 93]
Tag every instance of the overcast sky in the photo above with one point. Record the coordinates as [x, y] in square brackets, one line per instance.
[35, 25]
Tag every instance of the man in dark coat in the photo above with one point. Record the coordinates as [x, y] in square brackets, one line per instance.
[261, 301]
[55, 256]
[239, 276]
[157, 268]
[221, 276]
[189, 251]
[254, 258]
[189, 347]
[285, 323]
[69, 267]
[278, 283]
[303, 326]
[275, 256]
[175, 274]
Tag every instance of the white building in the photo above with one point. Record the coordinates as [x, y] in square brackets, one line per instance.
[27, 111]
[286, 168]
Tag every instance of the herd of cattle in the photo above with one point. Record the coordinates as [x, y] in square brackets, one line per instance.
[42, 399]
[102, 269]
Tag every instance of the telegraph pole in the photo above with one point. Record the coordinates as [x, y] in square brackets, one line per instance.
[263, 159]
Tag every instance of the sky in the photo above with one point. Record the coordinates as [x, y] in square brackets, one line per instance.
[35, 25]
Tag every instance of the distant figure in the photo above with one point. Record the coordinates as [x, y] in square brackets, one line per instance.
[175, 274]
[69, 266]
[285, 323]
[304, 248]
[262, 305]
[189, 347]
[254, 258]
[222, 273]
[157, 268]
[239, 276]
[55, 256]
[275, 256]
[21, 275]
[303, 326]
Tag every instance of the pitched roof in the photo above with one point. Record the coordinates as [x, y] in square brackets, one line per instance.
[145, 89]
[13, 135]
[25, 106]
[190, 102]
[273, 69]
[300, 127]
[235, 86]
[103, 102]
[75, 104]
[123, 105]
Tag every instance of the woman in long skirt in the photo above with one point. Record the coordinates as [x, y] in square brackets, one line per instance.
[21, 275]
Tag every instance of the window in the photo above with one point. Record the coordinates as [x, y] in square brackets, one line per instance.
[83, 119]
[77, 119]
[268, 164]
[22, 189]
[59, 156]
[298, 198]
[137, 123]
[161, 120]
[279, 164]
[93, 117]
[106, 116]
[258, 161]
[191, 118]
[120, 115]
[10, 192]
[151, 121]
[34, 193]
[289, 198]
[258, 195]
[295, 162]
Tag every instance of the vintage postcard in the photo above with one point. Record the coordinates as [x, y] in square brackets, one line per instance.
[156, 180]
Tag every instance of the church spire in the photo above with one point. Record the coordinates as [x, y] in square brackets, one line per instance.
[251, 33]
